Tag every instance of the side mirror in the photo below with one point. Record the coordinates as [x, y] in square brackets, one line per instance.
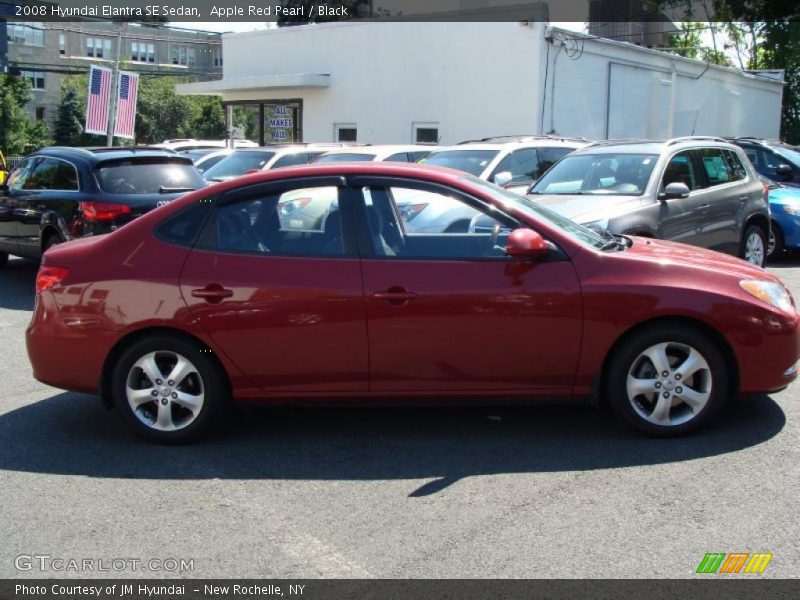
[526, 244]
[784, 170]
[503, 178]
[675, 190]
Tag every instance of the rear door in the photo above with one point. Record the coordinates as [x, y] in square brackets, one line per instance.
[284, 301]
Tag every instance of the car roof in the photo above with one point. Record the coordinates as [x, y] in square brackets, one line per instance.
[655, 146]
[500, 146]
[383, 150]
[391, 169]
[96, 155]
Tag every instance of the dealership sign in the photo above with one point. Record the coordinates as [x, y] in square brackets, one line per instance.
[279, 123]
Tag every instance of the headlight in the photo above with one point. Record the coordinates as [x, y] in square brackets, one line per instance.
[597, 226]
[771, 292]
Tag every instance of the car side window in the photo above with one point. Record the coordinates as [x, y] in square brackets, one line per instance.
[182, 229]
[295, 222]
[52, 174]
[735, 165]
[522, 164]
[550, 156]
[399, 157]
[18, 177]
[410, 222]
[715, 166]
[680, 169]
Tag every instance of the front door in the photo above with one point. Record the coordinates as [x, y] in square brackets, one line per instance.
[684, 219]
[275, 281]
[448, 311]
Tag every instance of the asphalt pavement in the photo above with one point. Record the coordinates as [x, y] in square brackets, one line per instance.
[521, 492]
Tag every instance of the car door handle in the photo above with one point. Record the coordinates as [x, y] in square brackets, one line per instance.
[703, 207]
[395, 295]
[213, 293]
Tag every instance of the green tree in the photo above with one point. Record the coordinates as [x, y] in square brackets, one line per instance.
[18, 135]
[69, 126]
[209, 120]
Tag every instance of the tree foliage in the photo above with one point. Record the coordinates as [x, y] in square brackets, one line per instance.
[18, 134]
[754, 35]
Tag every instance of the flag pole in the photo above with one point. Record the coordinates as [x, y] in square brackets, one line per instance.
[114, 92]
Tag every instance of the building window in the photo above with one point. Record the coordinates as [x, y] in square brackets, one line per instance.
[40, 113]
[36, 78]
[426, 133]
[345, 132]
[217, 57]
[141, 52]
[27, 34]
[62, 43]
[181, 55]
[98, 47]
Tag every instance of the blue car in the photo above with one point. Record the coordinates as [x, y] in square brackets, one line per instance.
[784, 206]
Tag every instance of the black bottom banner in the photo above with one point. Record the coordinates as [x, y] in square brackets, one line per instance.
[398, 589]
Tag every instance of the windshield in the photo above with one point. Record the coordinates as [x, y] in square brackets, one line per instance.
[344, 157]
[473, 162]
[148, 176]
[539, 212]
[789, 153]
[238, 163]
[617, 174]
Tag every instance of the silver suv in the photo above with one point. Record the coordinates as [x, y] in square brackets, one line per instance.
[696, 190]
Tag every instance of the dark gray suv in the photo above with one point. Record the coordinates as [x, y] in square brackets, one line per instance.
[696, 190]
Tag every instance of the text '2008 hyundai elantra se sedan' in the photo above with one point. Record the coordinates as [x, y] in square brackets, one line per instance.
[228, 294]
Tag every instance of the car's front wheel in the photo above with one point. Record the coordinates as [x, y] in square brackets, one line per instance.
[754, 246]
[667, 380]
[167, 390]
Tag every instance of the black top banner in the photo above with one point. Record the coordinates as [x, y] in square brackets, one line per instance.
[307, 11]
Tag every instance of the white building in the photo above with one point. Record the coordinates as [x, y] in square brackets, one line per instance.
[401, 82]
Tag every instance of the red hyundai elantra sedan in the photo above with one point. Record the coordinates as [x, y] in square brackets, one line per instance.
[306, 285]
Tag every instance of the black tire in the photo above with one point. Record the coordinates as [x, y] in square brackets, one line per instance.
[52, 239]
[778, 244]
[207, 379]
[3, 259]
[711, 382]
[750, 231]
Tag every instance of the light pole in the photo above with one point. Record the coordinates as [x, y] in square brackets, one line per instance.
[114, 92]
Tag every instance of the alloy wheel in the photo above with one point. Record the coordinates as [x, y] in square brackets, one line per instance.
[165, 391]
[754, 249]
[669, 384]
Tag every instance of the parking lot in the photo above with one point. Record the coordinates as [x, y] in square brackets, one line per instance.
[391, 493]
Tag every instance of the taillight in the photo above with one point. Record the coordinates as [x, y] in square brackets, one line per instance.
[103, 211]
[48, 276]
[766, 190]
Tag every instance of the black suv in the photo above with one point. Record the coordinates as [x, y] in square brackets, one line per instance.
[57, 194]
[773, 159]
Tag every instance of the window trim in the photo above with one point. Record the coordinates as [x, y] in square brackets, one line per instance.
[417, 125]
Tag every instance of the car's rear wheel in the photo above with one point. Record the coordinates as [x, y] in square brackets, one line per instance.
[754, 246]
[53, 239]
[776, 242]
[667, 380]
[167, 390]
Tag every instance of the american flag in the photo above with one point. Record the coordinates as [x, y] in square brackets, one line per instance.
[126, 104]
[99, 96]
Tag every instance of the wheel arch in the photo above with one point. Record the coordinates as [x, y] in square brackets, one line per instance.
[600, 393]
[757, 219]
[124, 342]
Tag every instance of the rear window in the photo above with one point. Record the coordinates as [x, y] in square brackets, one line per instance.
[345, 157]
[473, 162]
[238, 163]
[148, 176]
